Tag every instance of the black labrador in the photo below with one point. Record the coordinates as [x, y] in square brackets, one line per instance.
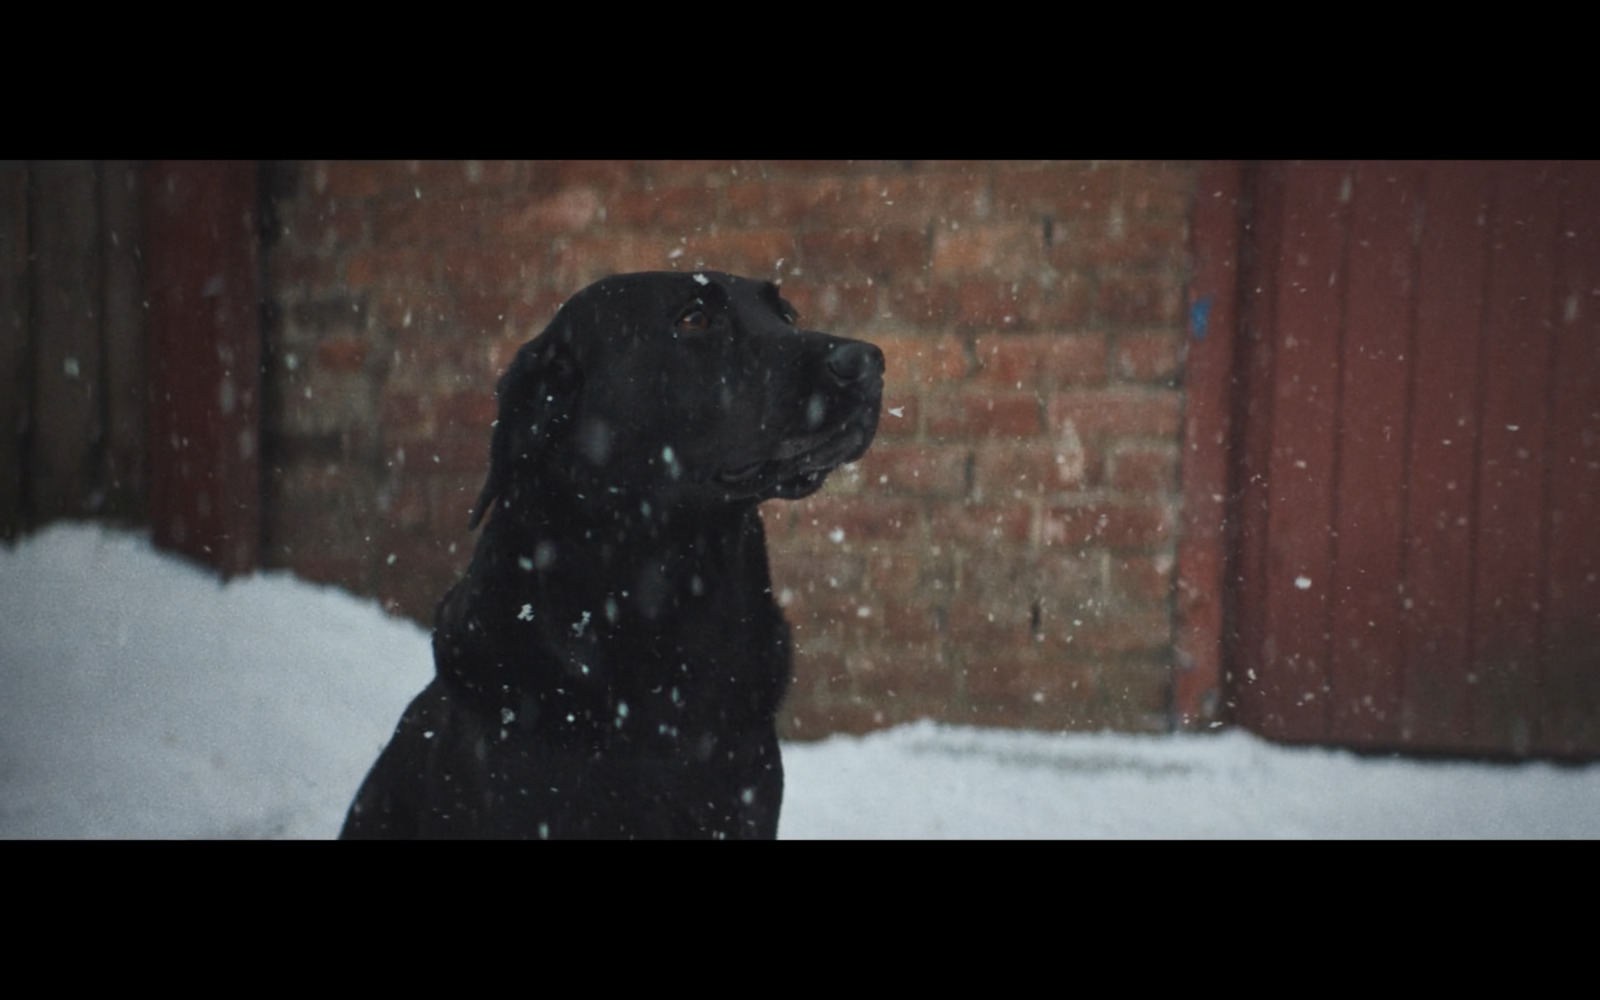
[613, 661]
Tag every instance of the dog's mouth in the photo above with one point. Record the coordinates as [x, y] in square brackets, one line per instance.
[799, 465]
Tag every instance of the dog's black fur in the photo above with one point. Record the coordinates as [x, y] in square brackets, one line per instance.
[613, 661]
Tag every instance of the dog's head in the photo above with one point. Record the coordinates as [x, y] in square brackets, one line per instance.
[680, 388]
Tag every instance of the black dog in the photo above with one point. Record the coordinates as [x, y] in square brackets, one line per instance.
[612, 663]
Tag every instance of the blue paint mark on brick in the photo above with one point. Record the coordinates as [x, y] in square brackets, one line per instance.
[1200, 317]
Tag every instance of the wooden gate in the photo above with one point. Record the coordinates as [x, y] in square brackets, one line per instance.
[1416, 484]
[72, 361]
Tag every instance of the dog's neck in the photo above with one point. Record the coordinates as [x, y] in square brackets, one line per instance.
[615, 597]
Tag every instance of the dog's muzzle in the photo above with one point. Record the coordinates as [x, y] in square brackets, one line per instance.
[837, 425]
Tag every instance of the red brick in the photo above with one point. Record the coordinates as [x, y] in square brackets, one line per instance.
[915, 469]
[453, 501]
[476, 314]
[1118, 412]
[1141, 579]
[355, 178]
[487, 269]
[853, 714]
[410, 502]
[756, 201]
[1038, 361]
[342, 354]
[808, 168]
[1058, 191]
[818, 672]
[1144, 469]
[751, 252]
[492, 173]
[1004, 469]
[1128, 630]
[901, 669]
[996, 306]
[458, 454]
[778, 520]
[800, 571]
[349, 572]
[469, 409]
[1141, 297]
[1135, 694]
[1117, 241]
[826, 305]
[820, 201]
[323, 224]
[858, 519]
[405, 416]
[705, 173]
[1047, 714]
[1150, 356]
[988, 250]
[290, 272]
[1022, 673]
[564, 211]
[920, 304]
[1159, 190]
[440, 177]
[427, 221]
[908, 621]
[682, 208]
[981, 525]
[403, 266]
[412, 584]
[436, 350]
[580, 260]
[545, 176]
[1127, 525]
[1012, 581]
[913, 571]
[913, 361]
[996, 626]
[879, 253]
[834, 616]
[989, 416]
[988, 305]
[901, 415]
[957, 194]
[328, 226]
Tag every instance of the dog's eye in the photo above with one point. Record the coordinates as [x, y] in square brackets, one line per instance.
[693, 320]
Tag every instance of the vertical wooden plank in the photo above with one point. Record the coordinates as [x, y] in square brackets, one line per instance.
[205, 354]
[1208, 431]
[1365, 653]
[1306, 382]
[122, 329]
[1440, 512]
[65, 469]
[1570, 661]
[15, 366]
[1512, 434]
[1247, 697]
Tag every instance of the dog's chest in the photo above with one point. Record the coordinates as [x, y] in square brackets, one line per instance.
[665, 660]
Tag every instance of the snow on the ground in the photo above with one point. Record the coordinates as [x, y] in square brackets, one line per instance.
[140, 697]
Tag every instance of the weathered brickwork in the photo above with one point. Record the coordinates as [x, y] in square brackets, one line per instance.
[1005, 553]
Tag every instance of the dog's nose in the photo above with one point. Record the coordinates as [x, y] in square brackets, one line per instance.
[853, 359]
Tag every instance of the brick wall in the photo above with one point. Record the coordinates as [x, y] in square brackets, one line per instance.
[1005, 553]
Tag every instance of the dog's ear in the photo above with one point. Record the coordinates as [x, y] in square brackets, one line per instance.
[535, 395]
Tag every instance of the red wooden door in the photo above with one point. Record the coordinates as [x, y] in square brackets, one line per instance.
[205, 356]
[1417, 481]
